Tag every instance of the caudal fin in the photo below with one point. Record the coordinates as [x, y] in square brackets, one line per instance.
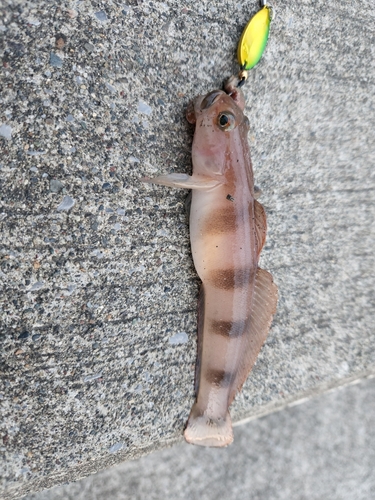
[203, 430]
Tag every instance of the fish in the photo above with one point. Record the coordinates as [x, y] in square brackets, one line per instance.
[237, 299]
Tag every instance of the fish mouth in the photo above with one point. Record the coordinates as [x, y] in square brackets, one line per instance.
[210, 98]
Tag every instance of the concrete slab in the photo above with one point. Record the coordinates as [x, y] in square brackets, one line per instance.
[321, 449]
[96, 274]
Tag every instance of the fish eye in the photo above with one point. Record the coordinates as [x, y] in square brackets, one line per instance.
[226, 121]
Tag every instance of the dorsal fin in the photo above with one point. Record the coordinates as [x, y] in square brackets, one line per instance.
[260, 225]
[262, 310]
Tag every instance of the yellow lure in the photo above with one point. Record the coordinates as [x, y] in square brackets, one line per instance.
[254, 39]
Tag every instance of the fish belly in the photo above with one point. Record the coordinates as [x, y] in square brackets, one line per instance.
[224, 250]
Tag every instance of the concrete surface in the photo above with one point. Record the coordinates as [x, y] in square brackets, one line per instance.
[96, 274]
[324, 448]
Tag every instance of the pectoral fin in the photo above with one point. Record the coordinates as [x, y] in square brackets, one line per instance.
[262, 310]
[183, 181]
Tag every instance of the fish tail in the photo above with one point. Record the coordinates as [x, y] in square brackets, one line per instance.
[203, 430]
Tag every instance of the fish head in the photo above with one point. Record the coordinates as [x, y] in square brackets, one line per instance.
[220, 127]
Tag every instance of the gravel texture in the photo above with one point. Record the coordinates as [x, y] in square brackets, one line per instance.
[322, 449]
[98, 291]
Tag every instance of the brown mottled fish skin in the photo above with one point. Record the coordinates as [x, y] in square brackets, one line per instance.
[227, 232]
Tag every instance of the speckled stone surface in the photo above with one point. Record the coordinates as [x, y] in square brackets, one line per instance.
[324, 448]
[98, 291]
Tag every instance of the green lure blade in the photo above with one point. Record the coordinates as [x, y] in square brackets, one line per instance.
[254, 39]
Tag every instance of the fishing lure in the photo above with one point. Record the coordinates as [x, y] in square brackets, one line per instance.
[227, 232]
[254, 38]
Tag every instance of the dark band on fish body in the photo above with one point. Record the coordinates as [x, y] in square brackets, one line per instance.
[228, 329]
[219, 377]
[230, 218]
[223, 220]
[228, 279]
